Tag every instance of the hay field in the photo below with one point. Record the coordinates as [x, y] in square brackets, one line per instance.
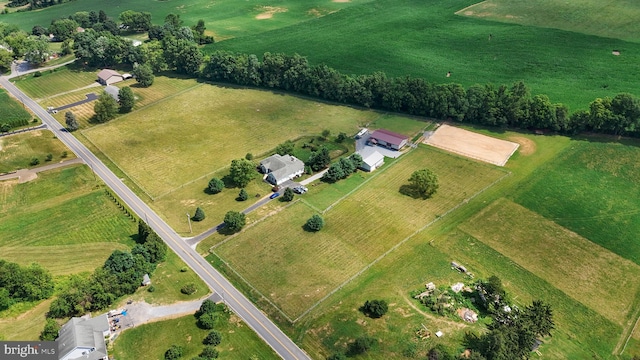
[600, 279]
[200, 131]
[615, 19]
[591, 188]
[16, 151]
[295, 269]
[53, 218]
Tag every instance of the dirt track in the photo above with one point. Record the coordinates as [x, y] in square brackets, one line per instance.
[472, 145]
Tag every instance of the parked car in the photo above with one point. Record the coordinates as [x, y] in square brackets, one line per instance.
[300, 189]
[274, 195]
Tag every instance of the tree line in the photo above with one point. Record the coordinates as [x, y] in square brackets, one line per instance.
[23, 283]
[490, 105]
[121, 274]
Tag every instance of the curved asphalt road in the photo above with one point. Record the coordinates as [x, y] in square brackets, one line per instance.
[254, 318]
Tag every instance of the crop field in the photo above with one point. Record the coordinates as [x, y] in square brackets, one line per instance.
[225, 19]
[295, 268]
[580, 331]
[592, 189]
[614, 19]
[16, 151]
[11, 111]
[200, 131]
[427, 39]
[48, 219]
[54, 82]
[600, 279]
[150, 341]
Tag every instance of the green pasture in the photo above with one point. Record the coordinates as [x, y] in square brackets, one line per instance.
[167, 280]
[600, 279]
[591, 188]
[16, 151]
[63, 212]
[175, 205]
[295, 268]
[11, 110]
[200, 131]
[613, 19]
[25, 324]
[427, 39]
[224, 19]
[150, 341]
[53, 82]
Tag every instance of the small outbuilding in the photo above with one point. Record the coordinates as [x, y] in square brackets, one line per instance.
[280, 168]
[371, 159]
[388, 139]
[108, 76]
[146, 281]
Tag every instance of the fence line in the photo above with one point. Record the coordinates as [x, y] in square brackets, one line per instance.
[465, 201]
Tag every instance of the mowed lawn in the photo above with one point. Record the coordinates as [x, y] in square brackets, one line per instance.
[200, 131]
[615, 19]
[150, 341]
[162, 88]
[54, 82]
[592, 188]
[295, 268]
[598, 278]
[16, 151]
[53, 219]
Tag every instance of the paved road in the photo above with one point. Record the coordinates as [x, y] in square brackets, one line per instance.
[244, 308]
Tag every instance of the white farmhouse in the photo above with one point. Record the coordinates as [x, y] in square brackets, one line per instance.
[279, 168]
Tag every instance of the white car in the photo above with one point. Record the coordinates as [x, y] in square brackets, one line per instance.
[300, 189]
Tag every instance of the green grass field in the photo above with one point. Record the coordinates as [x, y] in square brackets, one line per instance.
[11, 111]
[591, 188]
[150, 341]
[296, 268]
[614, 19]
[600, 279]
[24, 325]
[200, 131]
[427, 39]
[55, 82]
[224, 19]
[63, 212]
[16, 151]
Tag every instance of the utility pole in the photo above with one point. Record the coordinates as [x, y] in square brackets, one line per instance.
[189, 220]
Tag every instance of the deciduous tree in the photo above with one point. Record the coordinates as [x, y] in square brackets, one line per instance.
[375, 308]
[424, 182]
[126, 99]
[242, 171]
[144, 75]
[213, 338]
[50, 331]
[234, 221]
[70, 121]
[106, 108]
[315, 223]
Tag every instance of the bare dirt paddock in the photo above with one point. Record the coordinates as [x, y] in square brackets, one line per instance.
[473, 145]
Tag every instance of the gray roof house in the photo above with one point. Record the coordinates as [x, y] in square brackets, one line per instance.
[281, 168]
[108, 77]
[114, 91]
[83, 338]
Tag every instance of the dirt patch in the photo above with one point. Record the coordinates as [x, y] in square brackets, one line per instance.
[527, 146]
[472, 145]
[269, 11]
